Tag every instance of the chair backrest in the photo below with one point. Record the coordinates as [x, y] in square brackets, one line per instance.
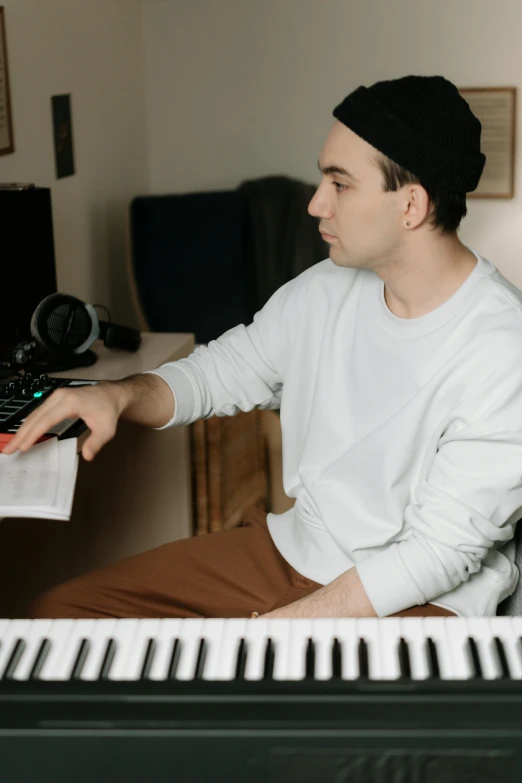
[187, 259]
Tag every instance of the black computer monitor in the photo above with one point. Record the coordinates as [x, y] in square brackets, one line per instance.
[27, 261]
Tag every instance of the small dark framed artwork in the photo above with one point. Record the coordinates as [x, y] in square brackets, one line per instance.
[62, 131]
[6, 122]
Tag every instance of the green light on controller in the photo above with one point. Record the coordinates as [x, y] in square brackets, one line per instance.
[37, 394]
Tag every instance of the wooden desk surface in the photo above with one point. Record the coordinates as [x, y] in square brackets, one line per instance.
[113, 364]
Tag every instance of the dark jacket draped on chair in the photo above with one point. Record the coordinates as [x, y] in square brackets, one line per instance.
[282, 239]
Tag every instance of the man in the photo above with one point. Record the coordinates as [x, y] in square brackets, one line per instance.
[395, 363]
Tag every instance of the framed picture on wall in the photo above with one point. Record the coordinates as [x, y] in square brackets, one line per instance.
[495, 108]
[6, 123]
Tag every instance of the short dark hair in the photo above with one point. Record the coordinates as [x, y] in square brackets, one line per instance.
[449, 208]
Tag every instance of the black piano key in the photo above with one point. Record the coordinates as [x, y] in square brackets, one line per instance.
[404, 658]
[433, 659]
[174, 660]
[364, 664]
[473, 652]
[83, 652]
[310, 660]
[14, 658]
[107, 660]
[241, 660]
[268, 672]
[337, 658]
[149, 656]
[502, 658]
[40, 658]
[200, 663]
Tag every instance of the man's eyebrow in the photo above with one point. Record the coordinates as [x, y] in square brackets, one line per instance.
[336, 170]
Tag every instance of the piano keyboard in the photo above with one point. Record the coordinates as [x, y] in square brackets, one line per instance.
[369, 649]
[410, 699]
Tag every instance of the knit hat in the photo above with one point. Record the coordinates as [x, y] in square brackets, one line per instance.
[423, 124]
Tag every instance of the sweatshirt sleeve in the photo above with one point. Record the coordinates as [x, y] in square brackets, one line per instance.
[242, 369]
[468, 499]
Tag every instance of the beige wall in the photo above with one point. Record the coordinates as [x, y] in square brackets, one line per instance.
[93, 50]
[245, 88]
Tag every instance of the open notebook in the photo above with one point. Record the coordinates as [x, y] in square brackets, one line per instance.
[39, 482]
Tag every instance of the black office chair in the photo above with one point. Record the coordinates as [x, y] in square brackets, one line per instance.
[187, 266]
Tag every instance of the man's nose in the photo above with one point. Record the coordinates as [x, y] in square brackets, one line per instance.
[319, 206]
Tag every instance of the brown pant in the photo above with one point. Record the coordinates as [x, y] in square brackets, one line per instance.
[227, 574]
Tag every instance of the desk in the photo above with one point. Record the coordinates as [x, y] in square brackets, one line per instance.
[134, 495]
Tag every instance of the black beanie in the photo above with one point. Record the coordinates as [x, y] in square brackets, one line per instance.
[423, 124]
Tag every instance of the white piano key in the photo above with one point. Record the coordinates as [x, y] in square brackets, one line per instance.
[516, 624]
[345, 630]
[98, 641]
[517, 643]
[163, 646]
[457, 633]
[411, 630]
[388, 646]
[435, 629]
[480, 630]
[213, 629]
[60, 663]
[3, 630]
[58, 634]
[135, 660]
[322, 630]
[233, 631]
[190, 633]
[368, 629]
[123, 636]
[13, 630]
[278, 630]
[299, 632]
[504, 628]
[256, 635]
[33, 640]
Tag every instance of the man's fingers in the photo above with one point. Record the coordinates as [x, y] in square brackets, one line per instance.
[95, 407]
[29, 433]
[37, 424]
[92, 446]
[88, 451]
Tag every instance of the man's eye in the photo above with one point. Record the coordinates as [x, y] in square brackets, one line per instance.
[338, 184]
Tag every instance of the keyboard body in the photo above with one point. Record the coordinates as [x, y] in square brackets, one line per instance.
[245, 700]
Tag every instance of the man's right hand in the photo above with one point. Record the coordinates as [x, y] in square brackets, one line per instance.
[99, 406]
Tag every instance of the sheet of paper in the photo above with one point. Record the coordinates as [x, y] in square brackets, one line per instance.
[40, 482]
[68, 472]
[31, 477]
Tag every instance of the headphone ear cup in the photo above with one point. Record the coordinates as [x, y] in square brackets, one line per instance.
[65, 324]
[37, 319]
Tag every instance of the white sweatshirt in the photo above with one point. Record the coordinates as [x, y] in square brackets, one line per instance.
[402, 437]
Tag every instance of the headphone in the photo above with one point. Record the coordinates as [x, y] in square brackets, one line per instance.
[64, 327]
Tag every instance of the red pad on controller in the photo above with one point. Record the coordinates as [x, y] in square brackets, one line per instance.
[5, 437]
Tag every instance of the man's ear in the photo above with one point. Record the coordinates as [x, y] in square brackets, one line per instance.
[417, 206]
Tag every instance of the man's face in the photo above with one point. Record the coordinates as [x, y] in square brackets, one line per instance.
[365, 222]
